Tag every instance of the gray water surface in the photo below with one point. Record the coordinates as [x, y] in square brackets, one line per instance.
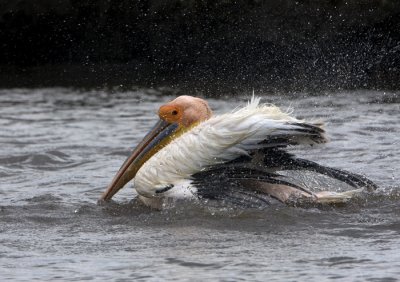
[60, 148]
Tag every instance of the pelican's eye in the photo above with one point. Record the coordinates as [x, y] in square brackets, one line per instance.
[170, 113]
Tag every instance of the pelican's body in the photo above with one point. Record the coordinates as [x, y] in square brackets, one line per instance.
[240, 149]
[217, 140]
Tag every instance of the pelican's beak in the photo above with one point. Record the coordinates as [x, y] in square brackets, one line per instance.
[161, 134]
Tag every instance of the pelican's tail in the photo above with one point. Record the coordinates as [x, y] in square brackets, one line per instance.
[328, 197]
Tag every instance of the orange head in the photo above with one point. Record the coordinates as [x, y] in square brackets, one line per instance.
[185, 111]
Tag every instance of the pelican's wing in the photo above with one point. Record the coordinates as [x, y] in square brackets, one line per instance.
[263, 132]
[246, 187]
[279, 159]
[242, 182]
[226, 137]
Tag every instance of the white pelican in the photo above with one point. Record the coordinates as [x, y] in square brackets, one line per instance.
[235, 157]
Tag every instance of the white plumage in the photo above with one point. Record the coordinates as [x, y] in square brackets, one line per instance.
[220, 139]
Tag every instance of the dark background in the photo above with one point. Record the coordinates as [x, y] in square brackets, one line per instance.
[201, 45]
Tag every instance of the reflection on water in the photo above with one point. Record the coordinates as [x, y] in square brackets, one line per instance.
[61, 147]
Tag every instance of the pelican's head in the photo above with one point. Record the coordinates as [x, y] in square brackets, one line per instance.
[176, 117]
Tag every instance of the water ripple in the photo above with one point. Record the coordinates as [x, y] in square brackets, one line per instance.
[60, 147]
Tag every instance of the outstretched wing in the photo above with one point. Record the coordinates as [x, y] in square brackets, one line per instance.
[258, 171]
[251, 181]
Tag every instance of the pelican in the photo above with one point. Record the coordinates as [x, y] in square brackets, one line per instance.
[235, 157]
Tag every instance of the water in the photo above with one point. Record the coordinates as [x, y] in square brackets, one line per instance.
[61, 147]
